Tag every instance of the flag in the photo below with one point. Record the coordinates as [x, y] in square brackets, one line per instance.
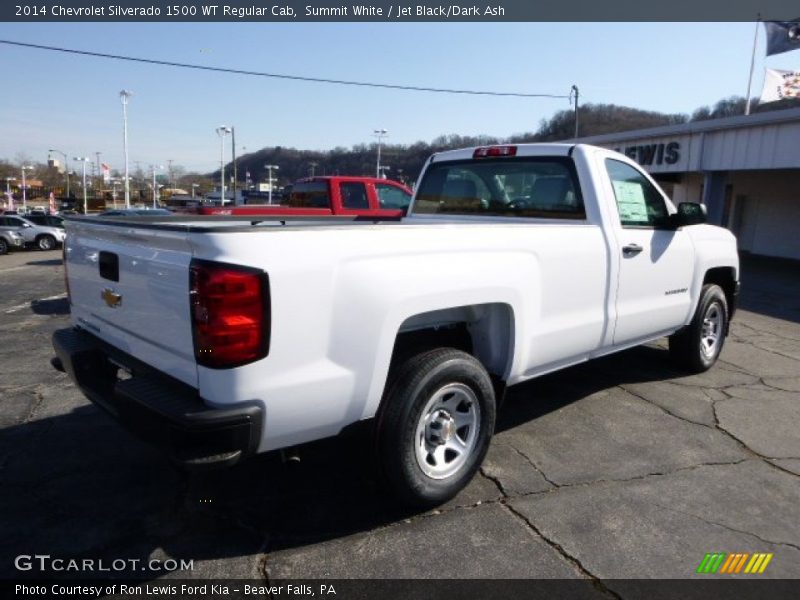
[780, 84]
[782, 36]
[106, 173]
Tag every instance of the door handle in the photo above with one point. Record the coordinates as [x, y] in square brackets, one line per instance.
[631, 250]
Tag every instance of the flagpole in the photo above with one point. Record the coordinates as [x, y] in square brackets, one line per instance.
[752, 66]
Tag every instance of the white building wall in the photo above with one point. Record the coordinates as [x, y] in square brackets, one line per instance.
[766, 215]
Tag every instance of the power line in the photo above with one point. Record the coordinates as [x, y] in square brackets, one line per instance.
[167, 63]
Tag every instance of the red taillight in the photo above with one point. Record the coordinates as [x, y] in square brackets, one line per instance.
[230, 314]
[492, 151]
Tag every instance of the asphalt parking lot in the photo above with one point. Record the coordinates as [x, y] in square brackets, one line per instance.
[620, 468]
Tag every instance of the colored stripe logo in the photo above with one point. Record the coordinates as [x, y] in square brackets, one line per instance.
[735, 563]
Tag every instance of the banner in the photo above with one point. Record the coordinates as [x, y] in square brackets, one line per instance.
[106, 173]
[780, 84]
[782, 36]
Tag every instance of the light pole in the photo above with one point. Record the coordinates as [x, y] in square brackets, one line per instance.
[380, 134]
[313, 167]
[114, 183]
[66, 166]
[222, 131]
[194, 187]
[269, 170]
[9, 198]
[155, 186]
[84, 160]
[25, 188]
[124, 95]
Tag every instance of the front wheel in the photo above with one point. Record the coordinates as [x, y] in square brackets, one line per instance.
[435, 426]
[3, 246]
[697, 346]
[46, 242]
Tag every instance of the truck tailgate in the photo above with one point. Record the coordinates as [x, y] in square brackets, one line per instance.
[130, 287]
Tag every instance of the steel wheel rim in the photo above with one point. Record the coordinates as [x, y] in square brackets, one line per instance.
[710, 333]
[447, 430]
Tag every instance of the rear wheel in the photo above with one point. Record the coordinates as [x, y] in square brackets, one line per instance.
[46, 242]
[435, 426]
[697, 346]
[3, 246]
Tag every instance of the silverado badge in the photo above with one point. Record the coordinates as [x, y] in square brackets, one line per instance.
[111, 298]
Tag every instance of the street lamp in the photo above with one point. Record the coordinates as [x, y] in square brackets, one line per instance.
[269, 169]
[66, 166]
[222, 131]
[84, 160]
[124, 95]
[9, 197]
[155, 186]
[25, 187]
[380, 134]
[194, 187]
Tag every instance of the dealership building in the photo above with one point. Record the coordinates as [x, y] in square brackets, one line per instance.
[745, 169]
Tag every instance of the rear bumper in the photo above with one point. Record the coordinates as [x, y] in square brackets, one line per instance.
[157, 408]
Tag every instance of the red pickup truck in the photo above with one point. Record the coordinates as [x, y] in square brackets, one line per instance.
[330, 195]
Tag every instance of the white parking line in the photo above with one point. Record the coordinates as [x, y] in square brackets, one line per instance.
[20, 307]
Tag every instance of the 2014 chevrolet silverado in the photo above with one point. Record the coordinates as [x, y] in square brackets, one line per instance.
[221, 339]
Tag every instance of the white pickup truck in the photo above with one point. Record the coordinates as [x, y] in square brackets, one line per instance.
[220, 338]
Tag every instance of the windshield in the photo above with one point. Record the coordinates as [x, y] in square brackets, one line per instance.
[515, 187]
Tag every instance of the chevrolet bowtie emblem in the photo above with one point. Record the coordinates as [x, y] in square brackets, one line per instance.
[111, 298]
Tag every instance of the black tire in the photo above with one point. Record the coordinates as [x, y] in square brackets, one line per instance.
[690, 347]
[3, 246]
[450, 388]
[46, 242]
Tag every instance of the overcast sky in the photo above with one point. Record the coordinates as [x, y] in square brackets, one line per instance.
[70, 102]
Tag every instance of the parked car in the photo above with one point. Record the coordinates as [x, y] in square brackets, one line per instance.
[43, 237]
[46, 220]
[515, 261]
[10, 240]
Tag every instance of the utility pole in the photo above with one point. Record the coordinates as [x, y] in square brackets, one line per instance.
[576, 93]
[233, 159]
[380, 134]
[124, 95]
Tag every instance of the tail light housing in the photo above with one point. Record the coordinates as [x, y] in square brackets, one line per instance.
[494, 151]
[230, 314]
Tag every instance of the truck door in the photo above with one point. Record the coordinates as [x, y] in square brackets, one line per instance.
[655, 261]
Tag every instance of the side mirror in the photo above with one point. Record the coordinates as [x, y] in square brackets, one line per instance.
[690, 213]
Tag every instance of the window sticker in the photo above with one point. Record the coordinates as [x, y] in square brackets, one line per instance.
[631, 201]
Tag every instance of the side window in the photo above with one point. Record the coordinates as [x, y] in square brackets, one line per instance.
[392, 197]
[354, 195]
[313, 194]
[639, 203]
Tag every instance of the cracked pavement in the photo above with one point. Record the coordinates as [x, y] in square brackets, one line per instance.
[620, 468]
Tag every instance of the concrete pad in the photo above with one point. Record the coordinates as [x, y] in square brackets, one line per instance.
[788, 384]
[617, 436]
[513, 472]
[484, 542]
[661, 527]
[757, 360]
[790, 464]
[688, 402]
[768, 427]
